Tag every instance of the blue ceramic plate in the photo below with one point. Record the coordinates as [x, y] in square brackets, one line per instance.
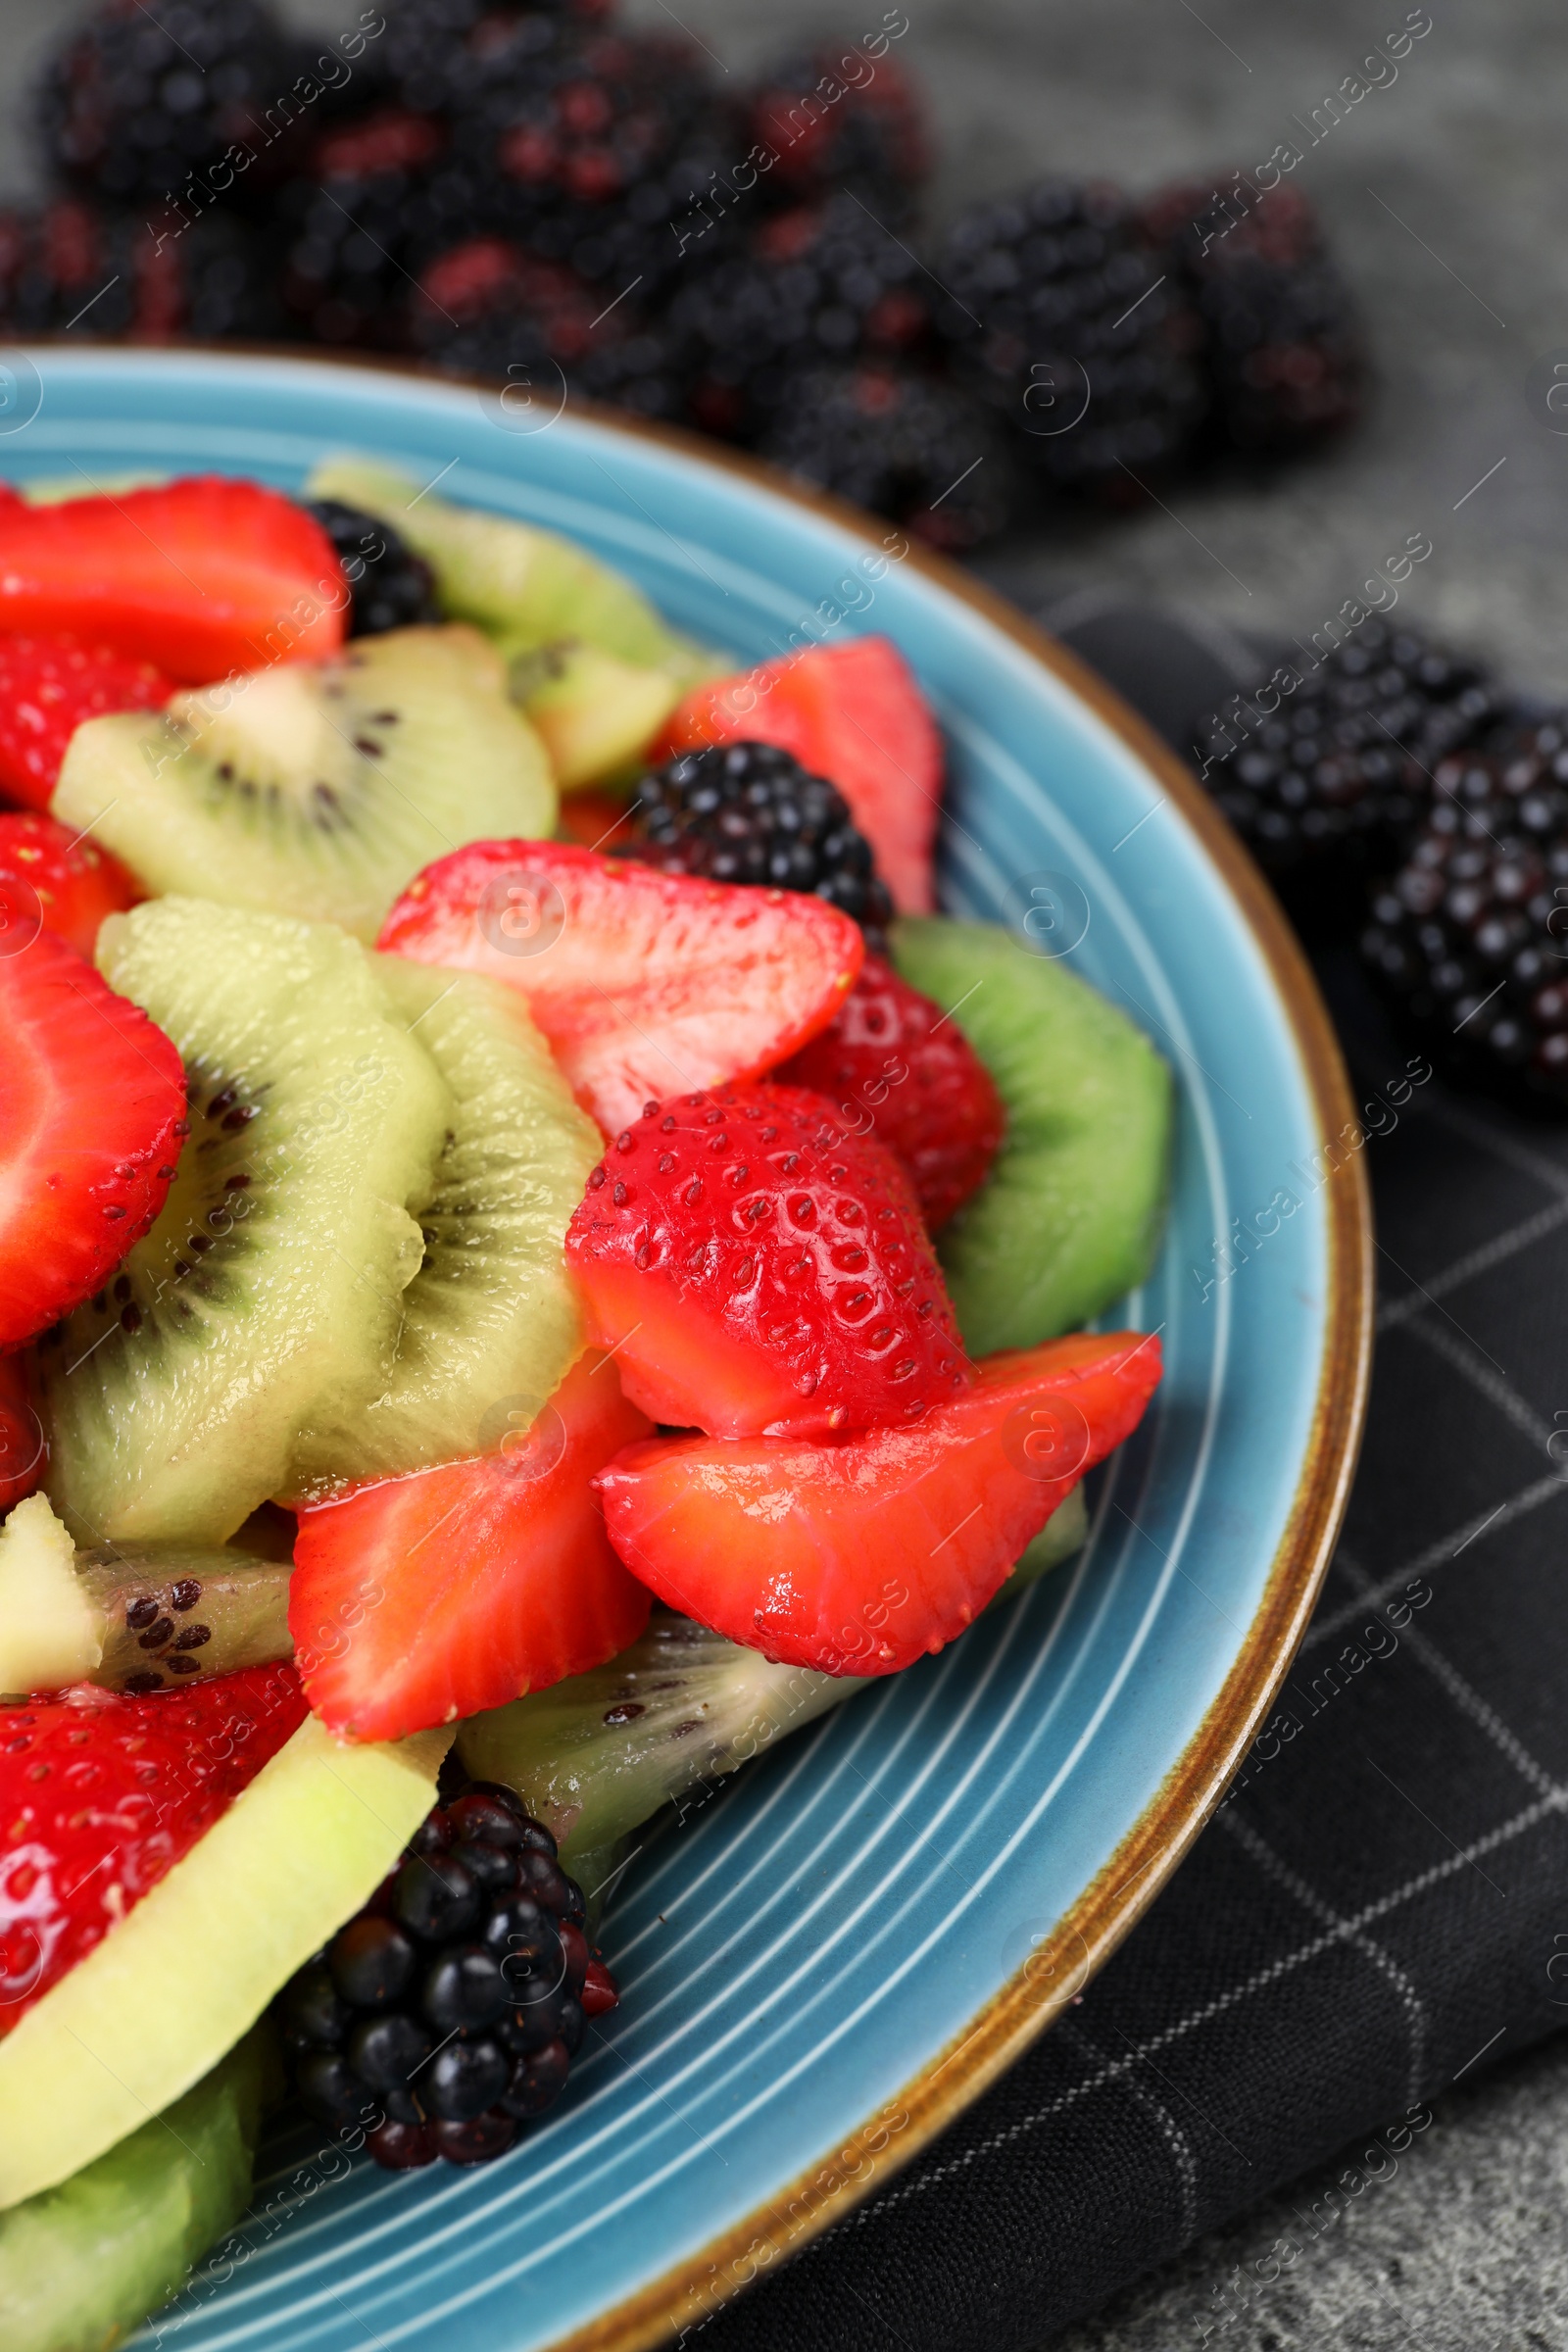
[844, 1946]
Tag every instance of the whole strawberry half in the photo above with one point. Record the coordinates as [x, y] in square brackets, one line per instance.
[757, 1268]
[92, 1113]
[859, 1558]
[894, 1066]
[99, 1800]
[48, 685]
[68, 884]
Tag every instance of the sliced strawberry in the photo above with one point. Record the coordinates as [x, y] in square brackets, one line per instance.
[100, 1796]
[645, 984]
[895, 1066]
[92, 1109]
[756, 1269]
[856, 1559]
[203, 578]
[48, 685]
[420, 1599]
[852, 713]
[52, 876]
[22, 1454]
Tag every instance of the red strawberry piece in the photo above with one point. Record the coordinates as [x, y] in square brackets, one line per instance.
[851, 712]
[646, 984]
[204, 577]
[92, 1109]
[22, 1454]
[600, 1992]
[415, 1600]
[100, 1797]
[63, 881]
[894, 1066]
[48, 685]
[756, 1269]
[857, 1558]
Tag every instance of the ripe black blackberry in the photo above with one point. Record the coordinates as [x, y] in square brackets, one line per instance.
[72, 267]
[822, 283]
[1470, 938]
[390, 587]
[445, 2014]
[1057, 315]
[136, 100]
[434, 53]
[352, 221]
[1331, 783]
[1283, 344]
[927, 454]
[826, 132]
[749, 812]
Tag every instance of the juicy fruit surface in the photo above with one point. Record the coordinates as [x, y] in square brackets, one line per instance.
[81, 2264]
[894, 1066]
[645, 984]
[99, 1800]
[759, 1269]
[48, 686]
[273, 1276]
[23, 1451]
[421, 1600]
[596, 715]
[200, 576]
[857, 1558]
[490, 1321]
[1071, 1216]
[50, 1635]
[317, 790]
[855, 714]
[92, 1108]
[174, 1615]
[50, 878]
[296, 1852]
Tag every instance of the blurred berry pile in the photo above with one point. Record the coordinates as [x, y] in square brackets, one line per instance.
[539, 194]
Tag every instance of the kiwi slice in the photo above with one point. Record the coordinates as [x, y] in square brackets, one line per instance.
[524, 586]
[597, 716]
[315, 788]
[1070, 1216]
[273, 1276]
[81, 2264]
[490, 1322]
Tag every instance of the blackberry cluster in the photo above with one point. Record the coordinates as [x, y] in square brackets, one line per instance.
[751, 812]
[1057, 315]
[70, 267]
[1329, 785]
[390, 587]
[829, 125]
[1282, 339]
[908, 446]
[351, 226]
[1470, 938]
[445, 2014]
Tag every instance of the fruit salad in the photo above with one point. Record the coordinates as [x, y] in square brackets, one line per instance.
[528, 1249]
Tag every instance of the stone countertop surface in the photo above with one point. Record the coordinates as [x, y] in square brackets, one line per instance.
[1446, 191]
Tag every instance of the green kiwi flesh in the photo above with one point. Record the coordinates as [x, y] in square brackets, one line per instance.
[596, 715]
[1070, 1216]
[81, 2264]
[273, 1278]
[490, 1321]
[317, 789]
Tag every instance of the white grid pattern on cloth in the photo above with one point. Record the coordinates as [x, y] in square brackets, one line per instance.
[1169, 2130]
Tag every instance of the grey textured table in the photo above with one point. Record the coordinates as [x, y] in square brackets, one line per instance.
[1446, 190]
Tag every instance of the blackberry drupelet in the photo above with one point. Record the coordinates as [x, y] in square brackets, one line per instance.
[136, 101]
[390, 587]
[749, 812]
[1470, 938]
[446, 2013]
[1283, 345]
[1330, 783]
[72, 267]
[827, 131]
[1058, 315]
[925, 453]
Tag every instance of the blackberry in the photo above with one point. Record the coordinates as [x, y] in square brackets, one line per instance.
[822, 283]
[435, 53]
[827, 129]
[751, 812]
[390, 587]
[1057, 312]
[1470, 938]
[1332, 781]
[71, 266]
[136, 101]
[927, 454]
[445, 2014]
[352, 222]
[1283, 344]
